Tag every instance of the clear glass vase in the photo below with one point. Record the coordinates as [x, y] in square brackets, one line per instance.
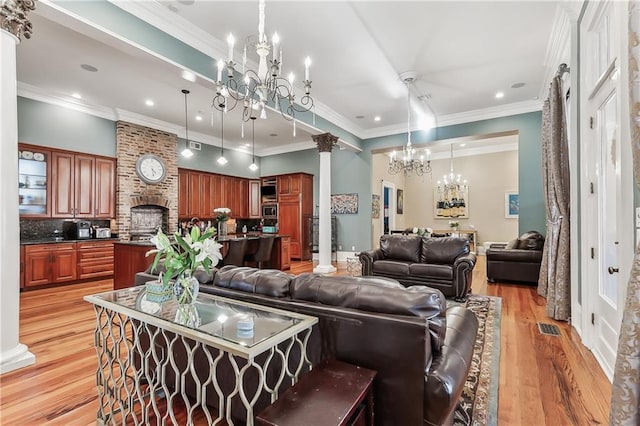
[186, 288]
[222, 228]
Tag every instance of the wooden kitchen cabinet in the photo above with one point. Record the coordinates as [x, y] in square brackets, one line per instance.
[105, 193]
[295, 203]
[82, 186]
[21, 266]
[183, 193]
[49, 263]
[201, 192]
[285, 254]
[62, 195]
[254, 199]
[129, 259]
[95, 259]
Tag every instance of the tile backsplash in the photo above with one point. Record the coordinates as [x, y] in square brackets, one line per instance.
[36, 229]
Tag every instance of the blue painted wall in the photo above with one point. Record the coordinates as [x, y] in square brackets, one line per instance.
[351, 172]
[57, 127]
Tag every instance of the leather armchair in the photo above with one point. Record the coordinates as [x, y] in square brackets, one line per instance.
[518, 261]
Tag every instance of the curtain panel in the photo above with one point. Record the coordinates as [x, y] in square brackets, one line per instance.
[555, 271]
[625, 398]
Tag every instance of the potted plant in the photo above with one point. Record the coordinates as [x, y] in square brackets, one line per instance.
[181, 259]
[222, 216]
[454, 224]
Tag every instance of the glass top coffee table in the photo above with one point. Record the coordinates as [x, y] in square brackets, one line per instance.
[141, 343]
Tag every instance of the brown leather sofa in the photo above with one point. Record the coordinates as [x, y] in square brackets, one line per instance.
[420, 349]
[443, 263]
[519, 260]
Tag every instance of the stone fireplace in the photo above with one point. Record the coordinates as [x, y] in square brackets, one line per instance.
[141, 207]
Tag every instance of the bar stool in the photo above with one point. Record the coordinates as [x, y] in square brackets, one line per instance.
[235, 254]
[263, 253]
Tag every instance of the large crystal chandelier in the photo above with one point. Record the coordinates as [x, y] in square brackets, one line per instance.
[255, 90]
[408, 163]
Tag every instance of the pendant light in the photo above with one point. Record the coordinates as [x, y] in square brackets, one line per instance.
[186, 152]
[221, 160]
[253, 166]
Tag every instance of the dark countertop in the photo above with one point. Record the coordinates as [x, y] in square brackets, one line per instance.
[52, 240]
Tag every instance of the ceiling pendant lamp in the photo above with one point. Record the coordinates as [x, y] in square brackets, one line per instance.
[186, 152]
[408, 164]
[221, 160]
[253, 166]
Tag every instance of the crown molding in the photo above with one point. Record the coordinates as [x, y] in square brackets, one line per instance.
[558, 48]
[462, 117]
[283, 149]
[175, 25]
[467, 152]
[37, 94]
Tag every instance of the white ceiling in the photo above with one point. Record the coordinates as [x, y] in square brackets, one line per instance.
[462, 53]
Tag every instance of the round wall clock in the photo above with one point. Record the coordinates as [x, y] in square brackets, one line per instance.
[151, 169]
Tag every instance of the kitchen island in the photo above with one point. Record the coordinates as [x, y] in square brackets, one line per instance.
[130, 256]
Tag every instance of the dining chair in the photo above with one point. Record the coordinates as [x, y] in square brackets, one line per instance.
[263, 253]
[236, 252]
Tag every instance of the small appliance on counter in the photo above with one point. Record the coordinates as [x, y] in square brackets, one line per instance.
[103, 232]
[269, 229]
[76, 230]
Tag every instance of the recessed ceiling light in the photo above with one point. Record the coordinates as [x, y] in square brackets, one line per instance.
[273, 135]
[359, 117]
[76, 95]
[188, 75]
[149, 102]
[172, 8]
[517, 85]
[198, 117]
[88, 67]
[247, 145]
[499, 95]
[376, 118]
[463, 145]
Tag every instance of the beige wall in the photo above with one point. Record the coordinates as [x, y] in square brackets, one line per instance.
[489, 176]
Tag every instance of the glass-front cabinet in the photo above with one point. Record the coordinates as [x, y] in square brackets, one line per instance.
[33, 179]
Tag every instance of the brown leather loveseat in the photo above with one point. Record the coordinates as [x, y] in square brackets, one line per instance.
[519, 260]
[420, 349]
[442, 263]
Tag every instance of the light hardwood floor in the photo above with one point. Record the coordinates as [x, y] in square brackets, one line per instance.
[544, 380]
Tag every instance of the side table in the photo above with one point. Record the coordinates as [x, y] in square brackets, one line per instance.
[333, 393]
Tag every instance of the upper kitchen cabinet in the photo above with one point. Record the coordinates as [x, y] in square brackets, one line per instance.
[33, 181]
[83, 186]
[64, 184]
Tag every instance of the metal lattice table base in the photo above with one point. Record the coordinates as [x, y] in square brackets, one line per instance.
[140, 382]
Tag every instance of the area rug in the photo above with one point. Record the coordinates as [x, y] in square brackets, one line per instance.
[478, 404]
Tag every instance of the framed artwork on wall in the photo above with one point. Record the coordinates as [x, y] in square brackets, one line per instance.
[400, 201]
[511, 205]
[451, 204]
[344, 204]
[375, 206]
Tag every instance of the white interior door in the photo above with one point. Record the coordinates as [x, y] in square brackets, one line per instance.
[606, 196]
[608, 309]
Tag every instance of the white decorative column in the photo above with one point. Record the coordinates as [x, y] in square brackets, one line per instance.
[325, 142]
[13, 25]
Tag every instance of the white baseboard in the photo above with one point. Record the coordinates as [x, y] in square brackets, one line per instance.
[341, 255]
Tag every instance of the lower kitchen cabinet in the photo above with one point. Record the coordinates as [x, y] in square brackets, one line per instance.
[50, 264]
[95, 259]
[130, 258]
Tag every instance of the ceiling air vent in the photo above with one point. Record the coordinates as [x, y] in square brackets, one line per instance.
[195, 145]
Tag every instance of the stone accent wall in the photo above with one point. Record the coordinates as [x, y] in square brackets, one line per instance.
[133, 141]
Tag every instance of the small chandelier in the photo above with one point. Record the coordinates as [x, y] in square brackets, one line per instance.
[257, 89]
[408, 164]
[452, 192]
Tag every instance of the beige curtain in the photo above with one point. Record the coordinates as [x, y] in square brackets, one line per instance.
[625, 398]
[555, 280]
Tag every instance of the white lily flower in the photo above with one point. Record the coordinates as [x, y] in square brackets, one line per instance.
[211, 250]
